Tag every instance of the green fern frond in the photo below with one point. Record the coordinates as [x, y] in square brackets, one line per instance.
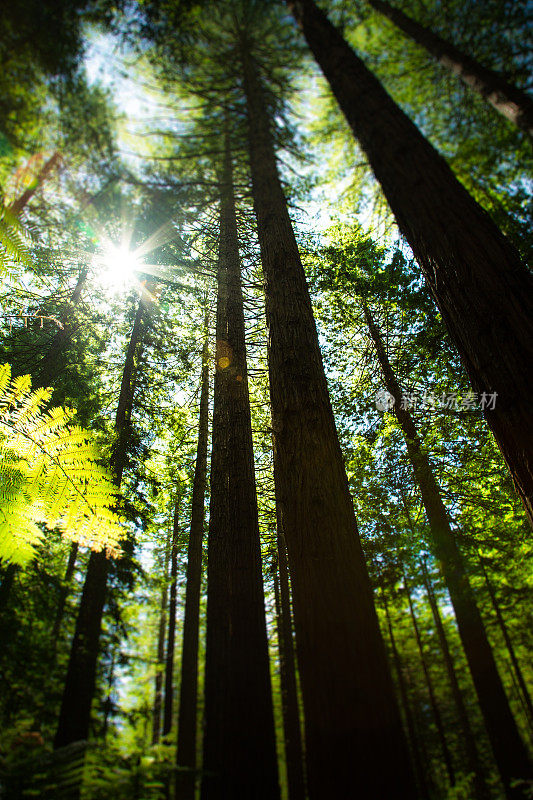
[49, 475]
[13, 241]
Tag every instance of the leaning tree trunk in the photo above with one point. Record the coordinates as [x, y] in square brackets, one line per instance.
[524, 691]
[161, 634]
[509, 750]
[188, 703]
[429, 683]
[292, 731]
[350, 709]
[171, 633]
[482, 288]
[80, 682]
[473, 762]
[18, 205]
[239, 743]
[509, 100]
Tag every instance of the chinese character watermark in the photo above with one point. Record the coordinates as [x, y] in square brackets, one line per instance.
[429, 401]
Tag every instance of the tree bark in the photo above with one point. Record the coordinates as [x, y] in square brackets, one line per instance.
[171, 634]
[508, 643]
[513, 103]
[75, 713]
[483, 290]
[239, 743]
[158, 695]
[188, 704]
[294, 755]
[509, 750]
[429, 683]
[472, 755]
[350, 709]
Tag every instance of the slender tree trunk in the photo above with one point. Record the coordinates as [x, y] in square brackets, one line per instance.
[419, 762]
[18, 205]
[482, 288]
[239, 743]
[294, 755]
[473, 762]
[509, 750]
[188, 702]
[429, 683]
[48, 367]
[508, 643]
[351, 714]
[158, 695]
[75, 713]
[171, 635]
[509, 100]
[63, 594]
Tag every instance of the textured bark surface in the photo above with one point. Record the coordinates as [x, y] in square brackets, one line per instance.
[484, 292]
[171, 630]
[80, 681]
[509, 750]
[188, 702]
[239, 744]
[351, 714]
[292, 731]
[473, 763]
[509, 100]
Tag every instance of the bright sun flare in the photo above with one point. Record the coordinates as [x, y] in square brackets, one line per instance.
[118, 265]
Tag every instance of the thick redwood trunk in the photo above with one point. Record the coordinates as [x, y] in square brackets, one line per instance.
[351, 714]
[161, 635]
[511, 102]
[473, 763]
[75, 713]
[524, 691]
[239, 743]
[188, 703]
[483, 290]
[294, 755]
[447, 756]
[171, 633]
[509, 750]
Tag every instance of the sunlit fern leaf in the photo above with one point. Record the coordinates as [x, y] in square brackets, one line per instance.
[50, 475]
[13, 241]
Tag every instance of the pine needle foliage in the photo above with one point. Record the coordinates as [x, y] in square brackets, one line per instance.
[50, 476]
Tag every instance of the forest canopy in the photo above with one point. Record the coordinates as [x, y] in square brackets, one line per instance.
[266, 440]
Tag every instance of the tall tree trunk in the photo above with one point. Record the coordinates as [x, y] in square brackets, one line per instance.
[423, 790]
[294, 755]
[509, 100]
[350, 709]
[239, 743]
[482, 288]
[48, 366]
[158, 695]
[75, 713]
[188, 702]
[63, 593]
[508, 643]
[429, 683]
[18, 205]
[171, 634]
[472, 755]
[509, 750]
